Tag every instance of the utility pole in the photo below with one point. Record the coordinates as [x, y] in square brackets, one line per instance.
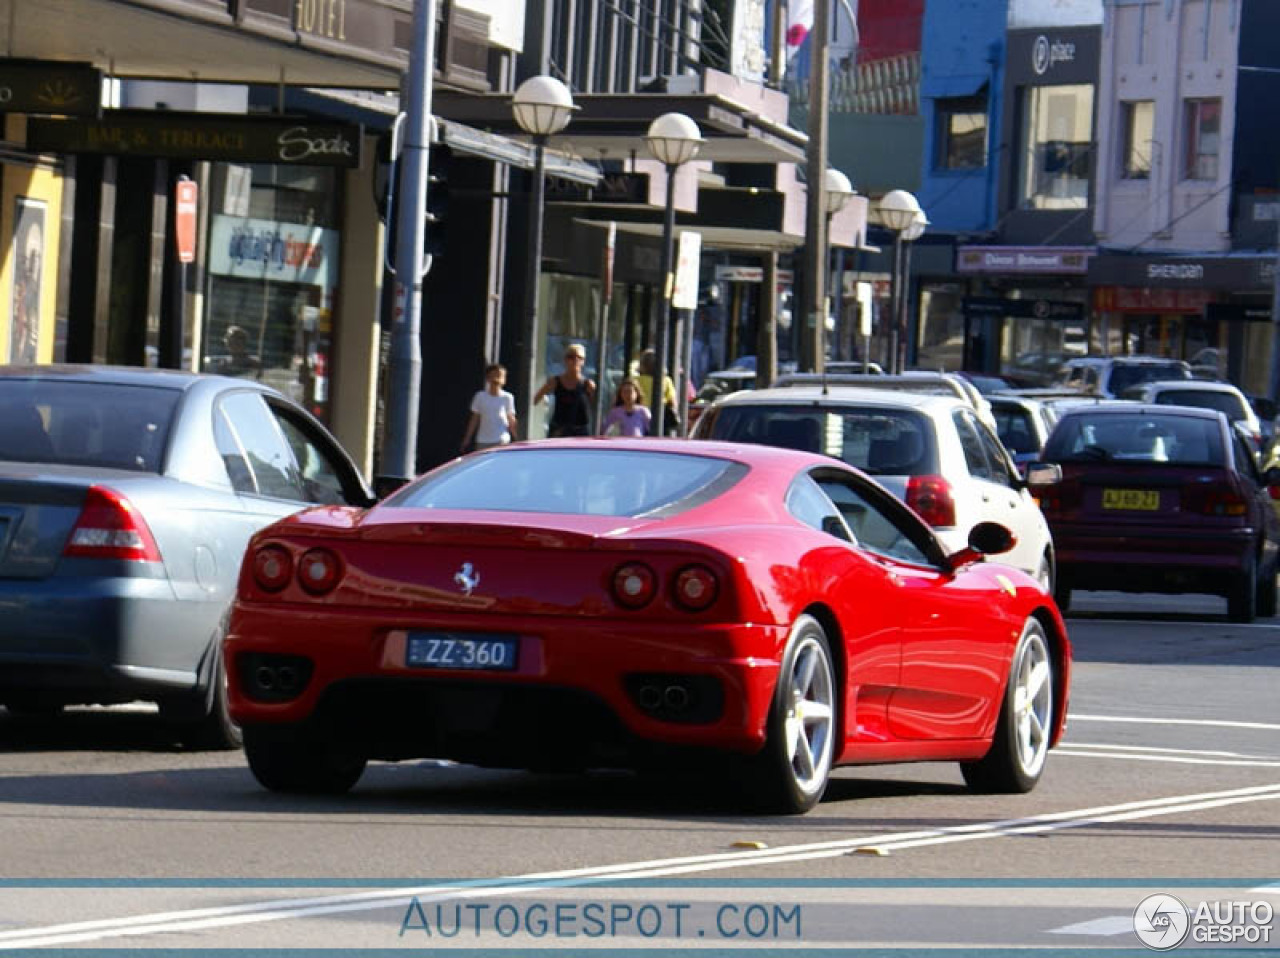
[400, 448]
[813, 304]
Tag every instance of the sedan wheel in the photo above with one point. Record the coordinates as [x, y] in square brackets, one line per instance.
[293, 760]
[1044, 574]
[791, 773]
[1021, 743]
[1242, 600]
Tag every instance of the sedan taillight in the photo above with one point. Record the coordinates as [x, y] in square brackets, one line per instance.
[272, 568]
[110, 527]
[319, 571]
[696, 587]
[1218, 499]
[634, 585]
[931, 497]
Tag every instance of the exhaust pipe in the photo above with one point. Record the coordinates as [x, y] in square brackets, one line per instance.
[287, 677]
[266, 678]
[650, 698]
[676, 698]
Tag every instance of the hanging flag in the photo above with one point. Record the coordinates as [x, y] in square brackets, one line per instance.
[799, 23]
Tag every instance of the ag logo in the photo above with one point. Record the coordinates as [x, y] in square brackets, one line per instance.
[1161, 922]
[1040, 55]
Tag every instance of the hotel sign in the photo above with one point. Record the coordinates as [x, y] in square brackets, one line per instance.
[1023, 259]
[202, 136]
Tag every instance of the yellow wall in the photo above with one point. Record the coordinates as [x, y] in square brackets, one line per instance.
[41, 190]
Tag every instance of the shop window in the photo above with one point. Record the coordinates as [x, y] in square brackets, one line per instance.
[962, 133]
[1057, 147]
[1138, 118]
[1204, 131]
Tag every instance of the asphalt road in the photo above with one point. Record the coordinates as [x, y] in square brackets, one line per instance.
[1168, 781]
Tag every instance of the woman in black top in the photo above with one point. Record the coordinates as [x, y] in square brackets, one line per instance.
[574, 396]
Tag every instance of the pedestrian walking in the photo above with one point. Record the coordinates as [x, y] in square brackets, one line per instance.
[629, 415]
[573, 393]
[648, 365]
[493, 412]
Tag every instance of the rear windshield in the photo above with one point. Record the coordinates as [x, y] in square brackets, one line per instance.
[593, 482]
[885, 442]
[1203, 399]
[1136, 437]
[1123, 376]
[1016, 429]
[85, 423]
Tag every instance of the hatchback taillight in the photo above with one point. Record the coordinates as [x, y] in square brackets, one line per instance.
[931, 497]
[695, 588]
[110, 527]
[272, 568]
[634, 585]
[319, 571]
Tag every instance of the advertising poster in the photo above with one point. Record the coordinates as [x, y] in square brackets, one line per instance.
[28, 279]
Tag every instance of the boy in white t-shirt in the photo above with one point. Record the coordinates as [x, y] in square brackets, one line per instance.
[493, 412]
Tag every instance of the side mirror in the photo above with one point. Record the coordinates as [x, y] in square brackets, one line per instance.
[1043, 474]
[986, 538]
[1271, 479]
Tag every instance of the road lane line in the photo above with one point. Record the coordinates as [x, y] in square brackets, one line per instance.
[1087, 752]
[1108, 926]
[1090, 620]
[1267, 889]
[1145, 720]
[1172, 751]
[224, 916]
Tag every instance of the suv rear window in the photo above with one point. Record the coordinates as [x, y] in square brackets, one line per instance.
[107, 425]
[1203, 399]
[1124, 375]
[885, 442]
[1136, 437]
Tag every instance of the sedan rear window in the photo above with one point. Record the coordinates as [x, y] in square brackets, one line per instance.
[878, 440]
[74, 423]
[1125, 375]
[1179, 440]
[1203, 399]
[597, 482]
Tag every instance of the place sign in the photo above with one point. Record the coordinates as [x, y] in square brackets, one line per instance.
[976, 307]
[45, 86]
[203, 136]
[1023, 259]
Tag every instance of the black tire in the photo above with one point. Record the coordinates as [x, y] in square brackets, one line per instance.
[1062, 593]
[1266, 600]
[778, 780]
[212, 729]
[1017, 757]
[1242, 600]
[294, 760]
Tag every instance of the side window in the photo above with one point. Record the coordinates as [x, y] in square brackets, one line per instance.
[808, 503]
[265, 450]
[233, 457]
[873, 528]
[975, 455]
[996, 456]
[319, 471]
[1245, 464]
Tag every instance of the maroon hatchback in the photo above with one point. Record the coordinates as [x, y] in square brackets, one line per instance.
[1159, 499]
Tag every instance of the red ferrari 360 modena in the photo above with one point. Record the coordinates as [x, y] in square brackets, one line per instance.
[604, 602]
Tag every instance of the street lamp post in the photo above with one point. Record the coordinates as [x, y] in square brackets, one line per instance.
[897, 212]
[909, 236]
[837, 193]
[542, 106]
[673, 139]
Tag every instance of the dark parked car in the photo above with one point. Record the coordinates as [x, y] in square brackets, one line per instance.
[127, 497]
[1159, 499]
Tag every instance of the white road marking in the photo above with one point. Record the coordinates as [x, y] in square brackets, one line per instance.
[1105, 751]
[1145, 720]
[1171, 751]
[205, 918]
[1267, 889]
[1111, 925]
[1197, 625]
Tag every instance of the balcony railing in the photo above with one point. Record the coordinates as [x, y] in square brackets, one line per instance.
[890, 85]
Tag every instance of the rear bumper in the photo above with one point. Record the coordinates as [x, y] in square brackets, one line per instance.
[1156, 560]
[99, 638]
[575, 682]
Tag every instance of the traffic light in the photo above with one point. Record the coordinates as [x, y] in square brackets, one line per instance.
[437, 200]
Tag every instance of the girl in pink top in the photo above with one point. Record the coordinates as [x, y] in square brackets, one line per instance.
[630, 416]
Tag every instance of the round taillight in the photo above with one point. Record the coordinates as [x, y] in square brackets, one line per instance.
[634, 585]
[319, 571]
[696, 588]
[272, 568]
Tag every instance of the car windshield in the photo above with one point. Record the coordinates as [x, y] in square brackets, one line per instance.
[1125, 375]
[887, 442]
[1203, 399]
[1137, 437]
[75, 423]
[590, 482]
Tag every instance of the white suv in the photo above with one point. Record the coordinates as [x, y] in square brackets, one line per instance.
[933, 452]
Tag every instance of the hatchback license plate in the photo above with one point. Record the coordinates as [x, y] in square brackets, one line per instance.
[1147, 500]
[456, 650]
